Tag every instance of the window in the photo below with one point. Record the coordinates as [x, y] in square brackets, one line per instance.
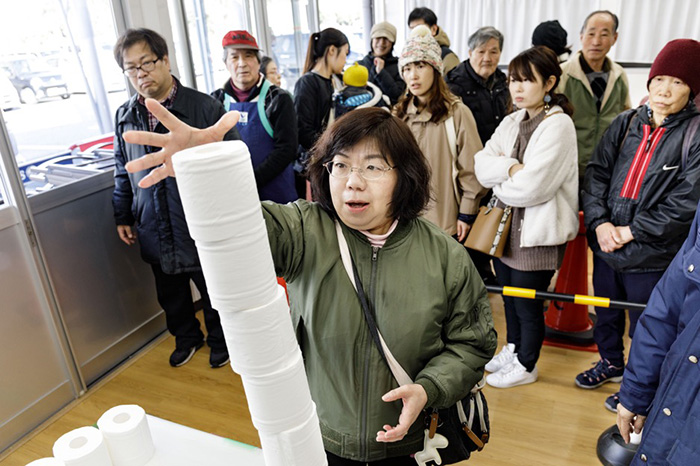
[206, 26]
[60, 84]
[347, 17]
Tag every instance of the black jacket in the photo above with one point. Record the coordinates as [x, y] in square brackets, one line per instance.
[279, 109]
[389, 79]
[660, 215]
[157, 211]
[489, 100]
[313, 96]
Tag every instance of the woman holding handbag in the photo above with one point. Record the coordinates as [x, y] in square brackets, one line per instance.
[371, 183]
[446, 133]
[530, 162]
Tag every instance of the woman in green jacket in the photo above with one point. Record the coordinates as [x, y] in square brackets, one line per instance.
[428, 301]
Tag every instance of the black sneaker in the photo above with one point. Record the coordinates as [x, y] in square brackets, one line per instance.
[603, 372]
[182, 356]
[218, 358]
[612, 401]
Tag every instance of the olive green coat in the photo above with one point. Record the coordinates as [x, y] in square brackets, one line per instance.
[590, 123]
[430, 305]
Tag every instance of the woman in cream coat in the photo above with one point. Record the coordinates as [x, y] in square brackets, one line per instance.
[432, 112]
[531, 164]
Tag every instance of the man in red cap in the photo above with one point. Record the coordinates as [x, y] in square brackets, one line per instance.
[268, 123]
[156, 213]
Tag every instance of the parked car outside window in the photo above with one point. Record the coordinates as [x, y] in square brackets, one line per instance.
[33, 78]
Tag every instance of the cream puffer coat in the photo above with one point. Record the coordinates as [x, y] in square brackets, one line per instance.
[547, 187]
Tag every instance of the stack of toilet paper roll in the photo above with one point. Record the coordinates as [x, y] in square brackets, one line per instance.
[123, 439]
[223, 213]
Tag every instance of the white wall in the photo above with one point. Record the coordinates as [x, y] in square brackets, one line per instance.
[645, 25]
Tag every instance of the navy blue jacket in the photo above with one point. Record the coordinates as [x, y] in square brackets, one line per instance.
[157, 211]
[662, 377]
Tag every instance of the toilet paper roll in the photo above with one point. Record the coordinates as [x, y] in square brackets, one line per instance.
[207, 194]
[261, 340]
[126, 432]
[240, 274]
[269, 398]
[47, 462]
[84, 446]
[295, 447]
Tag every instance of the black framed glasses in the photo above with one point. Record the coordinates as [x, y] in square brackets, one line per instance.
[368, 172]
[146, 66]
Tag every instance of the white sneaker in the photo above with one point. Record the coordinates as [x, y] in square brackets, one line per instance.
[512, 375]
[502, 359]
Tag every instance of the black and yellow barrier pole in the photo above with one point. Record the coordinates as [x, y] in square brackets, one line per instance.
[569, 298]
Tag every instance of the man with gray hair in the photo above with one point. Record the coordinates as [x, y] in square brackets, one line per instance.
[483, 88]
[595, 85]
[480, 84]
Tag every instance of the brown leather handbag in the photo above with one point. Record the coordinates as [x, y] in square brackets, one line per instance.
[489, 233]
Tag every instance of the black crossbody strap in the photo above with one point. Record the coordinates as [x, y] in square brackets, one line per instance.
[398, 372]
[369, 318]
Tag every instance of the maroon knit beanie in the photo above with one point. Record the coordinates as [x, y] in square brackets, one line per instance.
[679, 58]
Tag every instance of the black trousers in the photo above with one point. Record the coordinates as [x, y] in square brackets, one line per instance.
[334, 460]
[610, 326]
[524, 317]
[175, 297]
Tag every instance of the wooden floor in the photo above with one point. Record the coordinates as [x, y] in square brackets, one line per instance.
[551, 422]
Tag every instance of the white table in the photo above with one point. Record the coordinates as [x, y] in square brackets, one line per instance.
[177, 445]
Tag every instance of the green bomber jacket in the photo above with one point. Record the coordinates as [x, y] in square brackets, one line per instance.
[430, 306]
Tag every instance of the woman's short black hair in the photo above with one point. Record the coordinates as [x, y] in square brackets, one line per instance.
[394, 141]
[424, 13]
[133, 36]
[263, 64]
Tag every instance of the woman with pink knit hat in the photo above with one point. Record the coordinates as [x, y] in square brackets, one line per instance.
[446, 133]
[640, 194]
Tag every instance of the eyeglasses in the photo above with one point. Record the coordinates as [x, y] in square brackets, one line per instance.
[343, 170]
[146, 66]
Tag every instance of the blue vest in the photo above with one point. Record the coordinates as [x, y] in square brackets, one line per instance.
[256, 132]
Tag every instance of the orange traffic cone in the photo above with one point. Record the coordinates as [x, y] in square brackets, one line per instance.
[569, 322]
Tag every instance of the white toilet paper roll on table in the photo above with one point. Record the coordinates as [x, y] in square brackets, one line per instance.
[262, 339]
[126, 432]
[47, 462]
[269, 398]
[84, 446]
[301, 446]
[210, 179]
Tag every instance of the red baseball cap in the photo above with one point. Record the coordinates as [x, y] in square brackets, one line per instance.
[240, 40]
